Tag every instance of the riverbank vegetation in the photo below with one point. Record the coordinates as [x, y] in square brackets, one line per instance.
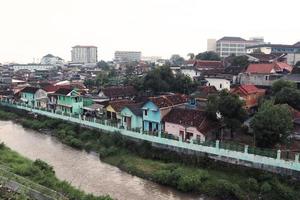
[41, 173]
[188, 173]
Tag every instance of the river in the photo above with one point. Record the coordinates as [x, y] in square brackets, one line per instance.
[84, 170]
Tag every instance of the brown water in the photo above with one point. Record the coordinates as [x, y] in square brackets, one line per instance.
[82, 169]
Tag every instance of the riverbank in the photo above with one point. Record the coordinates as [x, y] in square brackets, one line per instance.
[165, 167]
[6, 193]
[38, 172]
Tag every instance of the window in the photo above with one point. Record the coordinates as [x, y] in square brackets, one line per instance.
[267, 78]
[146, 112]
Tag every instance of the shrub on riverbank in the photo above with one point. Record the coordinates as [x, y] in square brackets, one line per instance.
[41, 173]
[189, 173]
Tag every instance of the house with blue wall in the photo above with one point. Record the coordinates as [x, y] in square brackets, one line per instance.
[157, 107]
[132, 116]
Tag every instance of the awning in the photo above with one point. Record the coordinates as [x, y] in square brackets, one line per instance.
[25, 100]
[63, 105]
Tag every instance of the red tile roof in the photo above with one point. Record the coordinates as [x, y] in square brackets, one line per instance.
[267, 68]
[284, 66]
[189, 117]
[169, 100]
[54, 88]
[118, 105]
[248, 89]
[119, 91]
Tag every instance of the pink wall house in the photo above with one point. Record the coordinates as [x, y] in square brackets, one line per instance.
[187, 124]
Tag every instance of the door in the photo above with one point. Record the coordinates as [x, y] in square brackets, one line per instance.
[128, 122]
[150, 126]
[181, 134]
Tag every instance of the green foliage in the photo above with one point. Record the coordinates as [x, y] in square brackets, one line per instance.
[224, 189]
[252, 184]
[208, 55]
[230, 108]
[184, 172]
[103, 65]
[109, 151]
[288, 95]
[241, 61]
[271, 124]
[176, 60]
[41, 173]
[280, 84]
[161, 79]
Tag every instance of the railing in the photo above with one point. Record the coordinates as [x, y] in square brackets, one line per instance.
[6, 176]
[219, 149]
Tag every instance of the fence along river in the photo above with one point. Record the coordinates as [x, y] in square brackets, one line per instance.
[217, 151]
[85, 170]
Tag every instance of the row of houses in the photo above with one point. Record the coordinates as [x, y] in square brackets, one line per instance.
[179, 115]
[168, 113]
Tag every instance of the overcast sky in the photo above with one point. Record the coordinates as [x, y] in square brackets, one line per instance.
[32, 28]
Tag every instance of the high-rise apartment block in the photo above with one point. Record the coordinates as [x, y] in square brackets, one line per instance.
[84, 54]
[211, 44]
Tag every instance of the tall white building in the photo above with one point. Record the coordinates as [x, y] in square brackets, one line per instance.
[235, 45]
[127, 56]
[84, 54]
[211, 44]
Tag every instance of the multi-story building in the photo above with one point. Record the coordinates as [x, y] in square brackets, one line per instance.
[292, 52]
[50, 59]
[31, 67]
[211, 45]
[227, 46]
[84, 54]
[127, 56]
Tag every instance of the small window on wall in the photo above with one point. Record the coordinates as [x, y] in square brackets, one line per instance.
[146, 112]
[267, 78]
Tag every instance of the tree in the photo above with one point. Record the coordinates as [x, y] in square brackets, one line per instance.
[241, 61]
[230, 108]
[212, 107]
[271, 124]
[102, 79]
[176, 59]
[191, 56]
[89, 83]
[102, 64]
[288, 95]
[208, 55]
[280, 84]
[159, 79]
[183, 84]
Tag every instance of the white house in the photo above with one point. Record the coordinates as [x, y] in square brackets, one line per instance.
[219, 83]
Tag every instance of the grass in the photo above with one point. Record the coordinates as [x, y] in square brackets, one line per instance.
[187, 173]
[40, 173]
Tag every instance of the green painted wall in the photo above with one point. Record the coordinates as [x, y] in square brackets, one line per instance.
[75, 101]
[29, 97]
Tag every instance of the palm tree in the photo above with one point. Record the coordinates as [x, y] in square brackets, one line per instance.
[191, 55]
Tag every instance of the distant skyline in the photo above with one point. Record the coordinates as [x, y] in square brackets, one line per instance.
[33, 28]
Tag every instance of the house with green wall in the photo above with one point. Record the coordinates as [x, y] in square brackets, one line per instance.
[68, 101]
[34, 97]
